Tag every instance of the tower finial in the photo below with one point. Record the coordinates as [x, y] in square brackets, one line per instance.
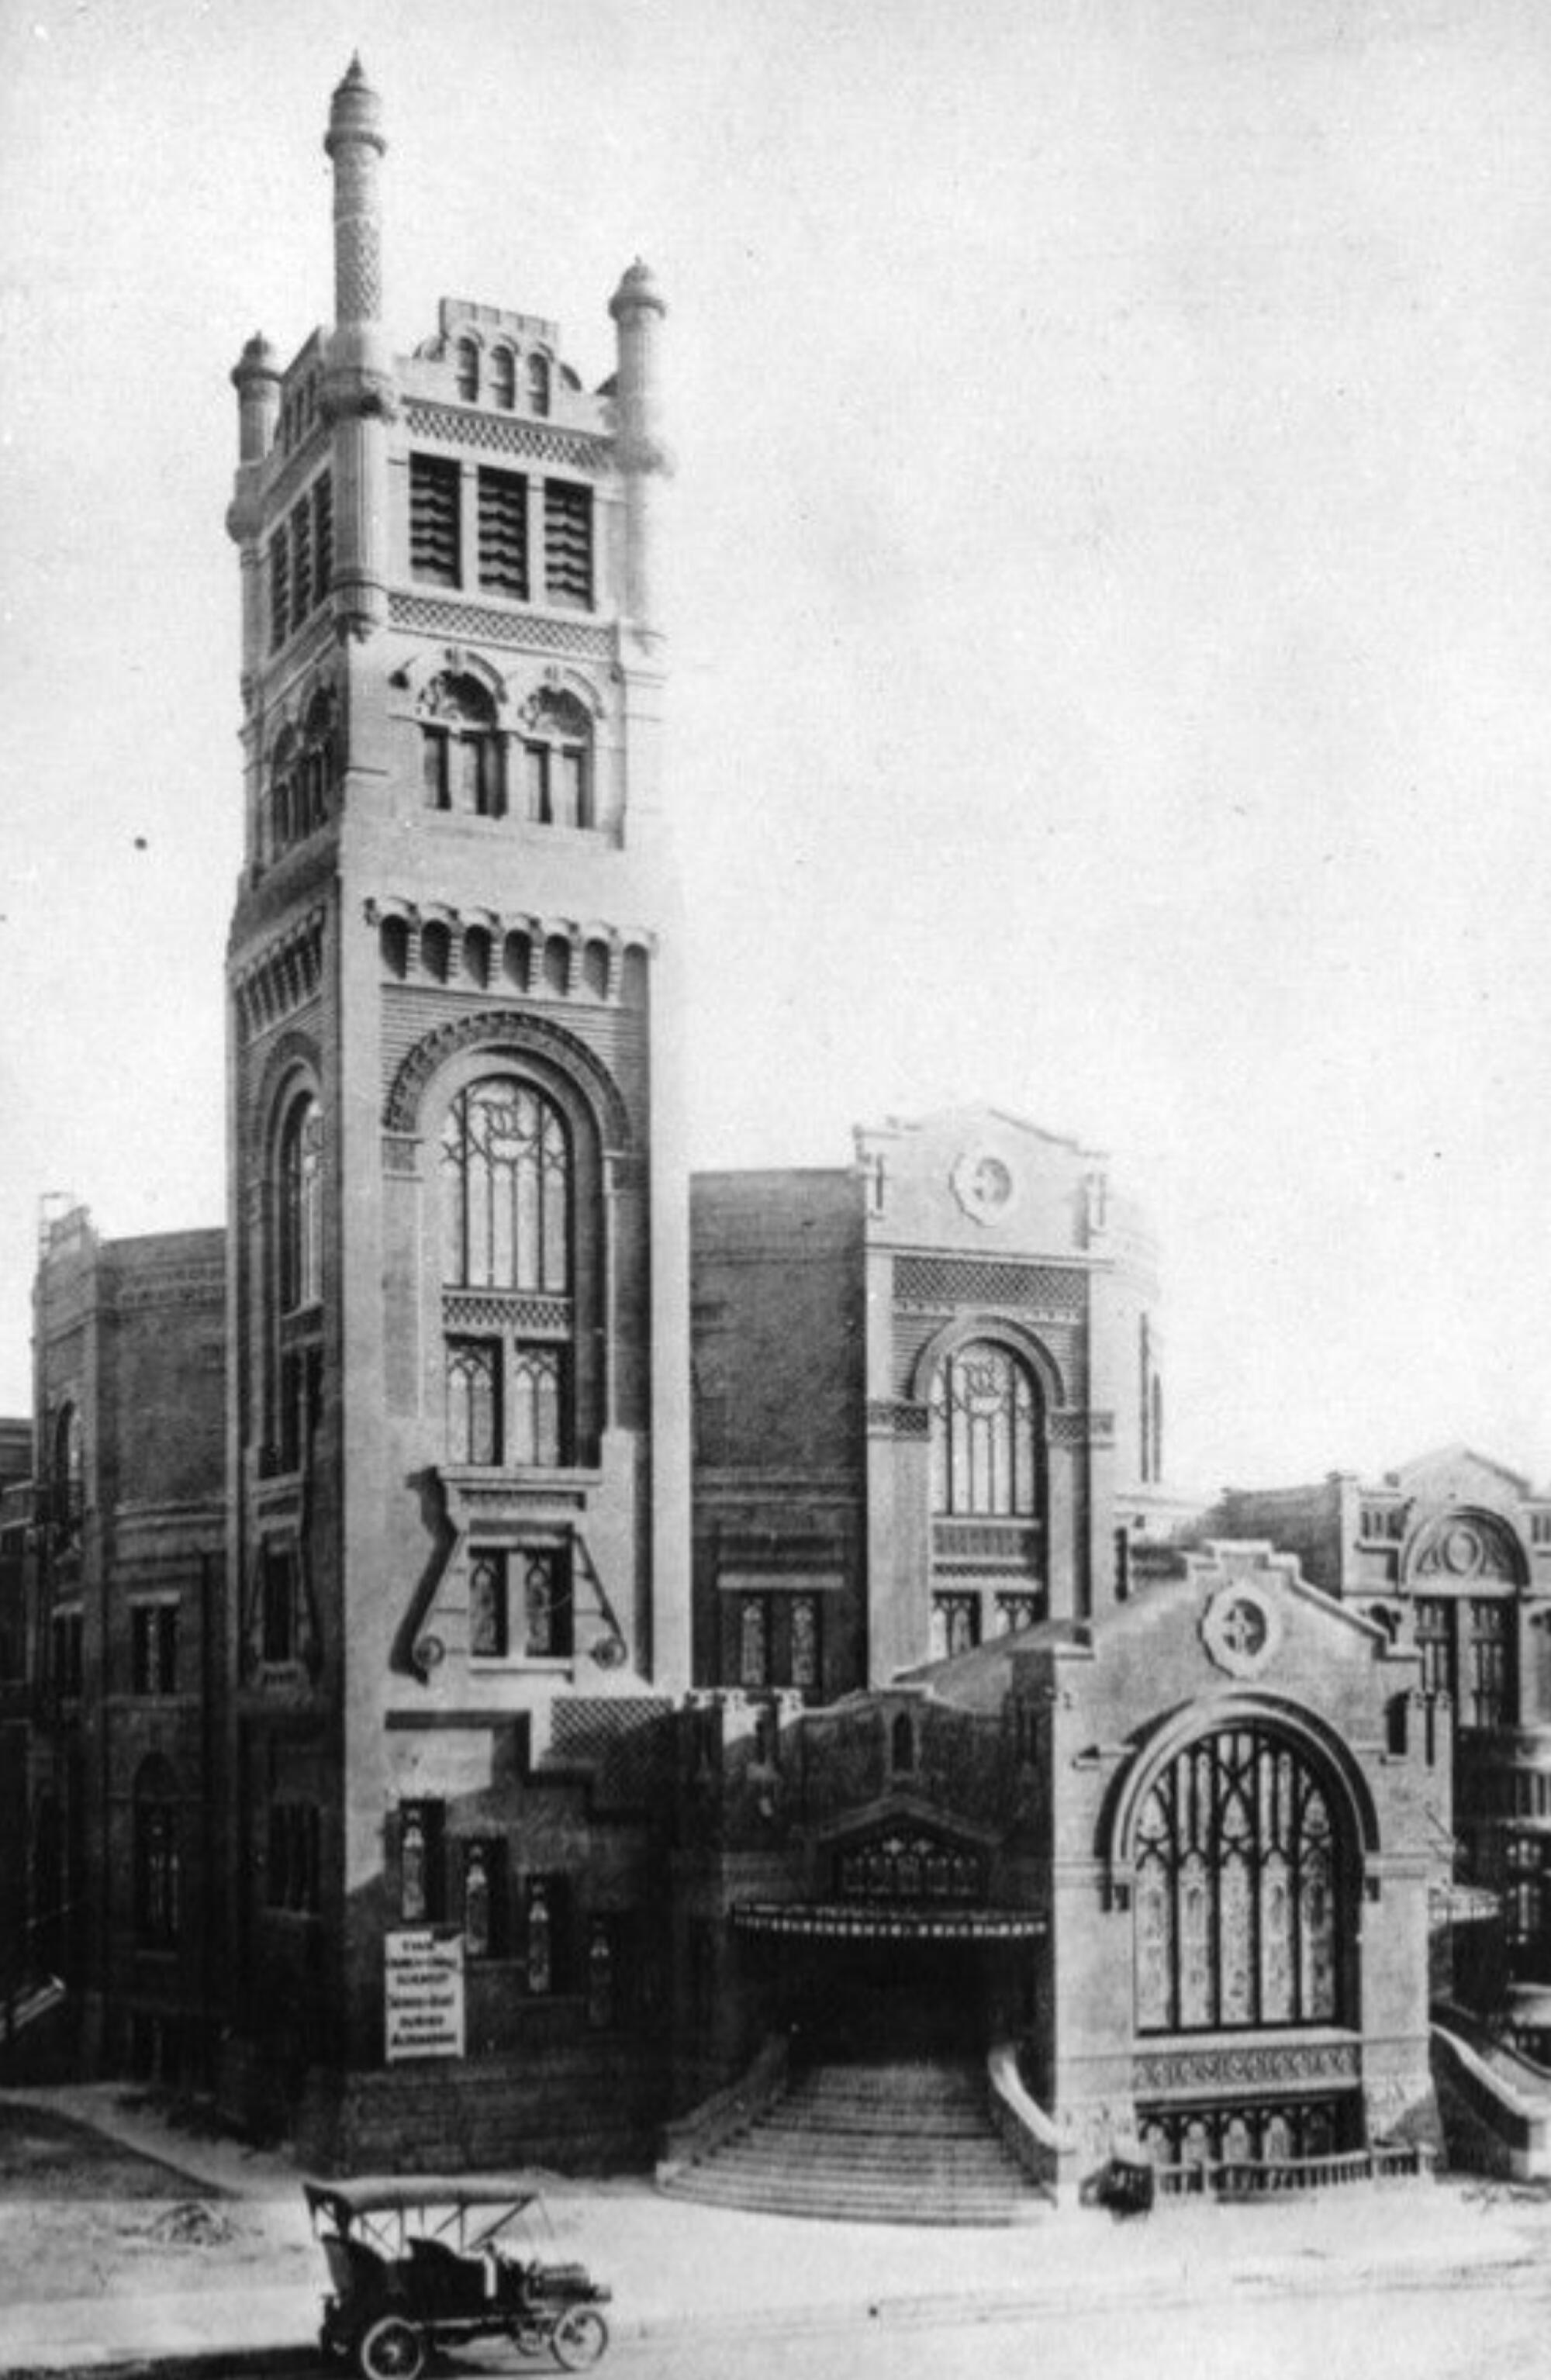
[355, 142]
[357, 377]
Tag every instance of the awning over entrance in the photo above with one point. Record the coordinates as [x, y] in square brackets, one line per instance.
[854, 1921]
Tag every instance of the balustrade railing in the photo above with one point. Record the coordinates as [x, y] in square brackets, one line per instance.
[1247, 2177]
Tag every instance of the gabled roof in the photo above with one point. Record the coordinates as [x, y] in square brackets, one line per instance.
[980, 1113]
[1416, 1472]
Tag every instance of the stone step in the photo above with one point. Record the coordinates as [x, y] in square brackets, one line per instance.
[985, 2210]
[902, 2142]
[845, 2157]
[881, 2123]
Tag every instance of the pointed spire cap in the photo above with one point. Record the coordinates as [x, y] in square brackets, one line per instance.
[638, 292]
[356, 111]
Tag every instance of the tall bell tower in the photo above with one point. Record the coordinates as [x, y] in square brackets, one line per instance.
[459, 1472]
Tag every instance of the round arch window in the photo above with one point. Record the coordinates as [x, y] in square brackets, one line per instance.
[985, 1413]
[1241, 1915]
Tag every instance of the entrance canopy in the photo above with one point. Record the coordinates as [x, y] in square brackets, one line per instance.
[852, 1920]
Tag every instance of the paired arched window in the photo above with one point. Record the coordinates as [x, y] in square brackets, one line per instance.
[538, 383]
[984, 1412]
[1240, 1889]
[557, 761]
[303, 772]
[300, 1203]
[460, 747]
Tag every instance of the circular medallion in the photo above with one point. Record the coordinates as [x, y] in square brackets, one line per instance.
[1240, 1628]
[983, 1185]
[1461, 1550]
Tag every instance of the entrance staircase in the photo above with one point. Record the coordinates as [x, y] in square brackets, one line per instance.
[910, 2142]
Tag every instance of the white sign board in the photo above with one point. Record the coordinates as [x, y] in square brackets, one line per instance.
[424, 1995]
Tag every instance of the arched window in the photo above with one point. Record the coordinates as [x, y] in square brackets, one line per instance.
[1240, 1889]
[538, 384]
[507, 1191]
[557, 759]
[504, 378]
[319, 766]
[157, 1857]
[984, 1412]
[285, 792]
[395, 938]
[460, 747]
[466, 357]
[67, 1469]
[506, 1185]
[301, 1205]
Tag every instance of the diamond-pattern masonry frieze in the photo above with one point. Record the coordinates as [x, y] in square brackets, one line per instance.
[573, 450]
[1246, 2067]
[525, 631]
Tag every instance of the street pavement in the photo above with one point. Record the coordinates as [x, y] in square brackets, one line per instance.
[742, 2292]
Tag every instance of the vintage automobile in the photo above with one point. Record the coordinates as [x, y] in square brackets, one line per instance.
[438, 2261]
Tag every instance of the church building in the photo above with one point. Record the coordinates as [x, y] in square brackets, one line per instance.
[538, 1659]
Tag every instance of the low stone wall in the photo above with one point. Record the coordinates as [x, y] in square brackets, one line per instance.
[573, 2114]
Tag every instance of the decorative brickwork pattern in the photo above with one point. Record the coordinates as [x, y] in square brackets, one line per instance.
[281, 979]
[889, 1417]
[628, 1743]
[500, 1027]
[573, 450]
[947, 1282]
[915, 1328]
[358, 242]
[1082, 1428]
[549, 1316]
[1253, 2066]
[439, 616]
[985, 1541]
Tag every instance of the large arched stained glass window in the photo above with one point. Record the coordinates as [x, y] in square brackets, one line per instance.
[301, 1205]
[984, 1413]
[1238, 1889]
[506, 1190]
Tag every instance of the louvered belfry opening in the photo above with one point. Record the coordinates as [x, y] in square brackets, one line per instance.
[433, 519]
[568, 544]
[503, 533]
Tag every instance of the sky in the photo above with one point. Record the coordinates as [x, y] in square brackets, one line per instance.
[1109, 583]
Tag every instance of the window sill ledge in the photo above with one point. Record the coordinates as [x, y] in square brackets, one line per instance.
[521, 1478]
[524, 1665]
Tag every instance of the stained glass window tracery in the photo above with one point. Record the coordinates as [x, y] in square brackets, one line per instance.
[1237, 1897]
[301, 1205]
[506, 1181]
[984, 1412]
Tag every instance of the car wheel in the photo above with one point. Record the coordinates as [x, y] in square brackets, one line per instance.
[392, 2349]
[580, 2338]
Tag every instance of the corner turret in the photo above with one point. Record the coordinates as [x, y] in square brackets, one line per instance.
[636, 306]
[358, 394]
